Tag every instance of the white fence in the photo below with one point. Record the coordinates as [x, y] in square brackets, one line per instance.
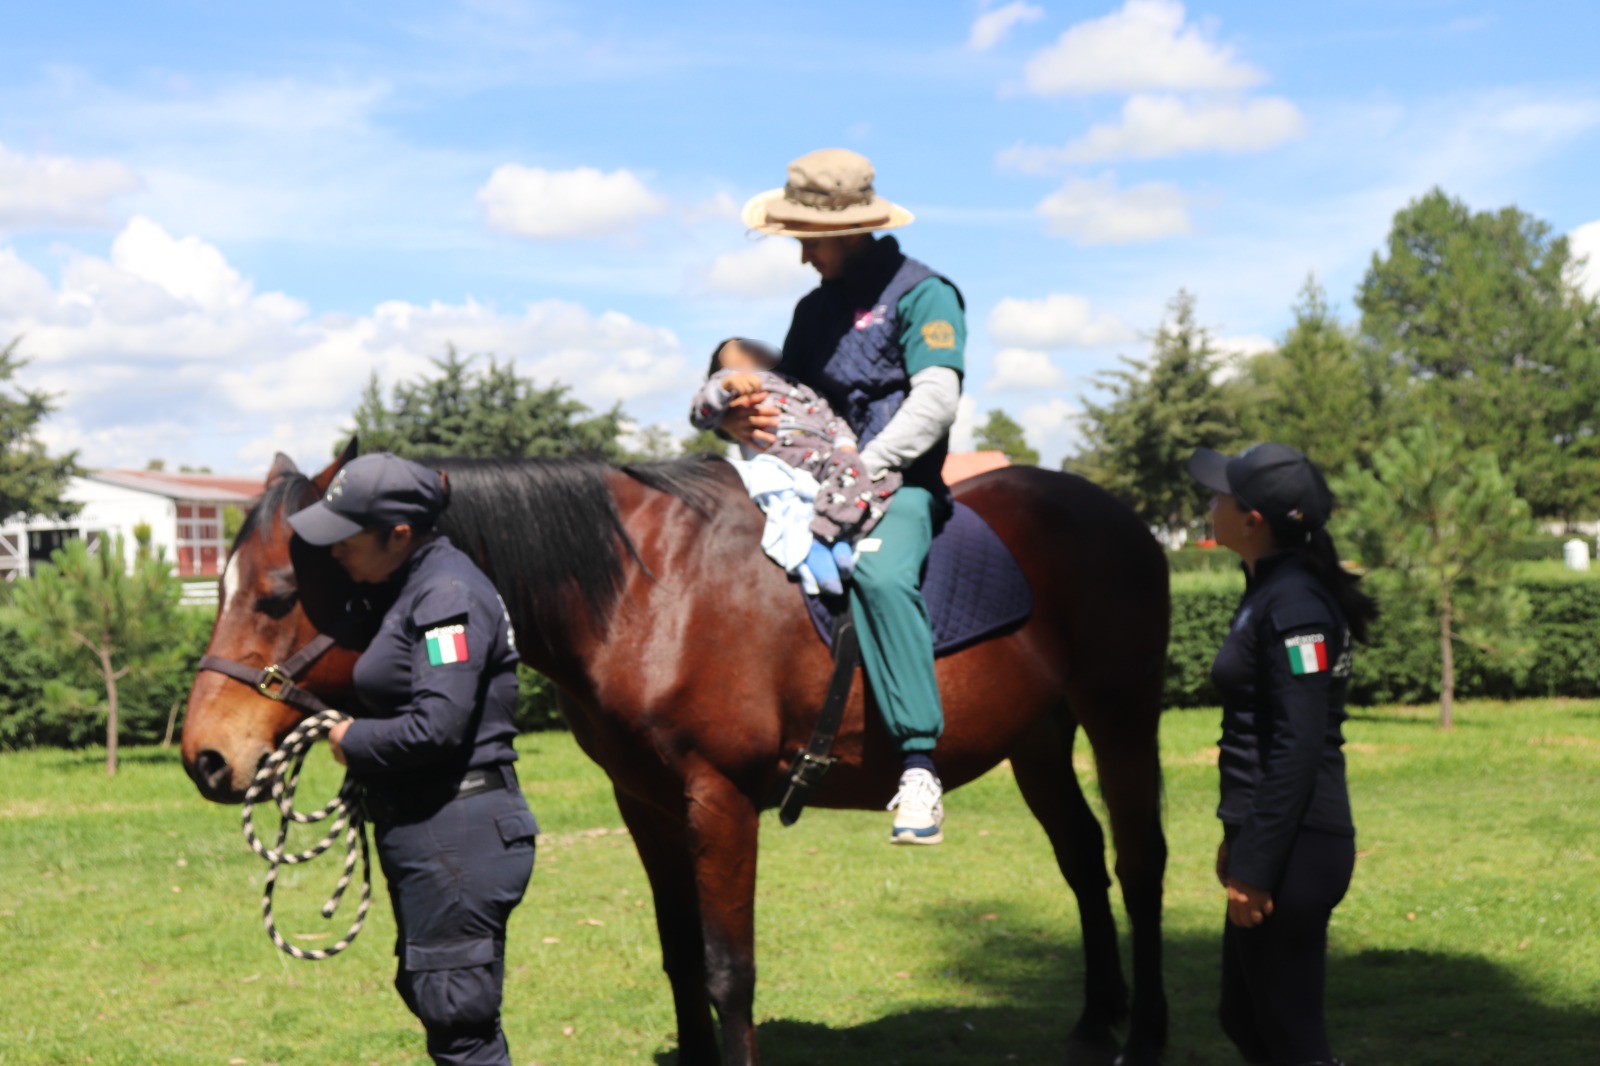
[199, 593]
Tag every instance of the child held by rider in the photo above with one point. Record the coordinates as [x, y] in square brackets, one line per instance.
[814, 454]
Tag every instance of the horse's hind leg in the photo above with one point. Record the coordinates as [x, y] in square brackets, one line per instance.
[1128, 757]
[663, 844]
[1044, 772]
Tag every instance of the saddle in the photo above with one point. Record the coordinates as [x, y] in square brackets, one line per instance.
[973, 587]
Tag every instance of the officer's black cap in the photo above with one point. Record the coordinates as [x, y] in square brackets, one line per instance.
[373, 491]
[1281, 483]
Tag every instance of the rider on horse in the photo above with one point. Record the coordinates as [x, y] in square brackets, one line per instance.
[882, 339]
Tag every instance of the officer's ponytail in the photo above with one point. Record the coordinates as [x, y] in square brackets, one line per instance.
[1317, 554]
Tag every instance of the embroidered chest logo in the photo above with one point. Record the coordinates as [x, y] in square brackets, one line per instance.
[940, 334]
[866, 319]
[1307, 654]
[336, 489]
[446, 644]
[1244, 617]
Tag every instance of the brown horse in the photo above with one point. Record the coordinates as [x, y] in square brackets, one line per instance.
[628, 588]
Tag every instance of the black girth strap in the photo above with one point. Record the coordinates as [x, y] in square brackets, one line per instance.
[811, 764]
[277, 682]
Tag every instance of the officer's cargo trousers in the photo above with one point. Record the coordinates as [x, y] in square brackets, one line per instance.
[892, 621]
[454, 877]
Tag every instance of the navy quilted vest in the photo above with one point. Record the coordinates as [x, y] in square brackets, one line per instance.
[845, 343]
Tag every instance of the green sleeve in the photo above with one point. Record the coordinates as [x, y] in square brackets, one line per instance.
[933, 327]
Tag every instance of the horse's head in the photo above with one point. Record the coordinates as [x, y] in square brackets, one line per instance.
[276, 596]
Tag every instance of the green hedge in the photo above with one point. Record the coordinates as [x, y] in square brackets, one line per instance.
[1401, 665]
[48, 703]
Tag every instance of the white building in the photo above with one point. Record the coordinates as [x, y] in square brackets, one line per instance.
[183, 511]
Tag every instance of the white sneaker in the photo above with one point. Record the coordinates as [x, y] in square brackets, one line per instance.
[919, 814]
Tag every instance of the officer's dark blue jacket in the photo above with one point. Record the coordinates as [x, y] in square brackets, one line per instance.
[844, 342]
[1283, 672]
[438, 682]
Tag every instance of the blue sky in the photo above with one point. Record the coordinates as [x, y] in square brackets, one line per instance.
[216, 221]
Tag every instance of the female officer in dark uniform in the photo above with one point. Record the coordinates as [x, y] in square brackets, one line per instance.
[1288, 845]
[438, 686]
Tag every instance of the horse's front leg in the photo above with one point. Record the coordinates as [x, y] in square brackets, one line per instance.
[663, 843]
[723, 828]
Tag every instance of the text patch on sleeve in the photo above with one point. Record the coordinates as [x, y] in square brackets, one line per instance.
[1307, 654]
[939, 334]
[446, 644]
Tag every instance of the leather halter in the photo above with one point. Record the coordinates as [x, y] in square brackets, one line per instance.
[277, 682]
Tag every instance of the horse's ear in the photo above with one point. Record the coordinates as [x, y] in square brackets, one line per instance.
[281, 466]
[324, 479]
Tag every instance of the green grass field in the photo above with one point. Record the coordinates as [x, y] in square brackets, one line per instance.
[129, 930]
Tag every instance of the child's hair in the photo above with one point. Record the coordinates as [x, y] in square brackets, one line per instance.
[764, 350]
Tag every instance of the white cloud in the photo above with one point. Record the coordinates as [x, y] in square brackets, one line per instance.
[1024, 369]
[1051, 427]
[766, 270]
[1060, 320]
[1095, 211]
[1154, 127]
[990, 27]
[38, 191]
[1235, 351]
[1145, 45]
[1585, 241]
[166, 333]
[562, 204]
[720, 208]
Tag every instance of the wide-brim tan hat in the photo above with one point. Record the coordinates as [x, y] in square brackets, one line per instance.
[829, 194]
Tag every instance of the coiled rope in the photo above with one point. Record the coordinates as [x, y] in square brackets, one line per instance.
[277, 778]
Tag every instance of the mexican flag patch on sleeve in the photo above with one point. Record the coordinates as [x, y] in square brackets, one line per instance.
[448, 644]
[1307, 654]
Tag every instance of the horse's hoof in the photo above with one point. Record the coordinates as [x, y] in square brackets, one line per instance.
[1097, 1051]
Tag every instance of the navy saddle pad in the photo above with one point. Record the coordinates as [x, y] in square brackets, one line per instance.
[971, 584]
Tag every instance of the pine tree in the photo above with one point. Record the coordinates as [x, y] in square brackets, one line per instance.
[1162, 408]
[1316, 391]
[487, 411]
[31, 482]
[1002, 433]
[113, 619]
[704, 442]
[1437, 519]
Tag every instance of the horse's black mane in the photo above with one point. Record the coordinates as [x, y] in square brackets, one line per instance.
[282, 497]
[546, 530]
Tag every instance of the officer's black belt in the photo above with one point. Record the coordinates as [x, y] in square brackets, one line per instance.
[408, 801]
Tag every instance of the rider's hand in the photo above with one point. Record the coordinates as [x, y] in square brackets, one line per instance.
[750, 421]
[743, 384]
[336, 741]
[1248, 906]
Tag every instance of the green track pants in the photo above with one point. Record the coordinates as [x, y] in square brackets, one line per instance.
[892, 621]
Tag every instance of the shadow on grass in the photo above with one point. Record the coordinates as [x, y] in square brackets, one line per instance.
[1386, 1008]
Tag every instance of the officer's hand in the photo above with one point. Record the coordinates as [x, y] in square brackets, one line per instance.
[1222, 864]
[750, 421]
[336, 741]
[1248, 906]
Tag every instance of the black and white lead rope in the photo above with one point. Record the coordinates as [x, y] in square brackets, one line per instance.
[277, 779]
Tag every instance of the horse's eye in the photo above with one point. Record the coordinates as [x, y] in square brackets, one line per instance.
[276, 606]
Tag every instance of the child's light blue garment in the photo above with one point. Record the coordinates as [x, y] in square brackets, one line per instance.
[787, 495]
